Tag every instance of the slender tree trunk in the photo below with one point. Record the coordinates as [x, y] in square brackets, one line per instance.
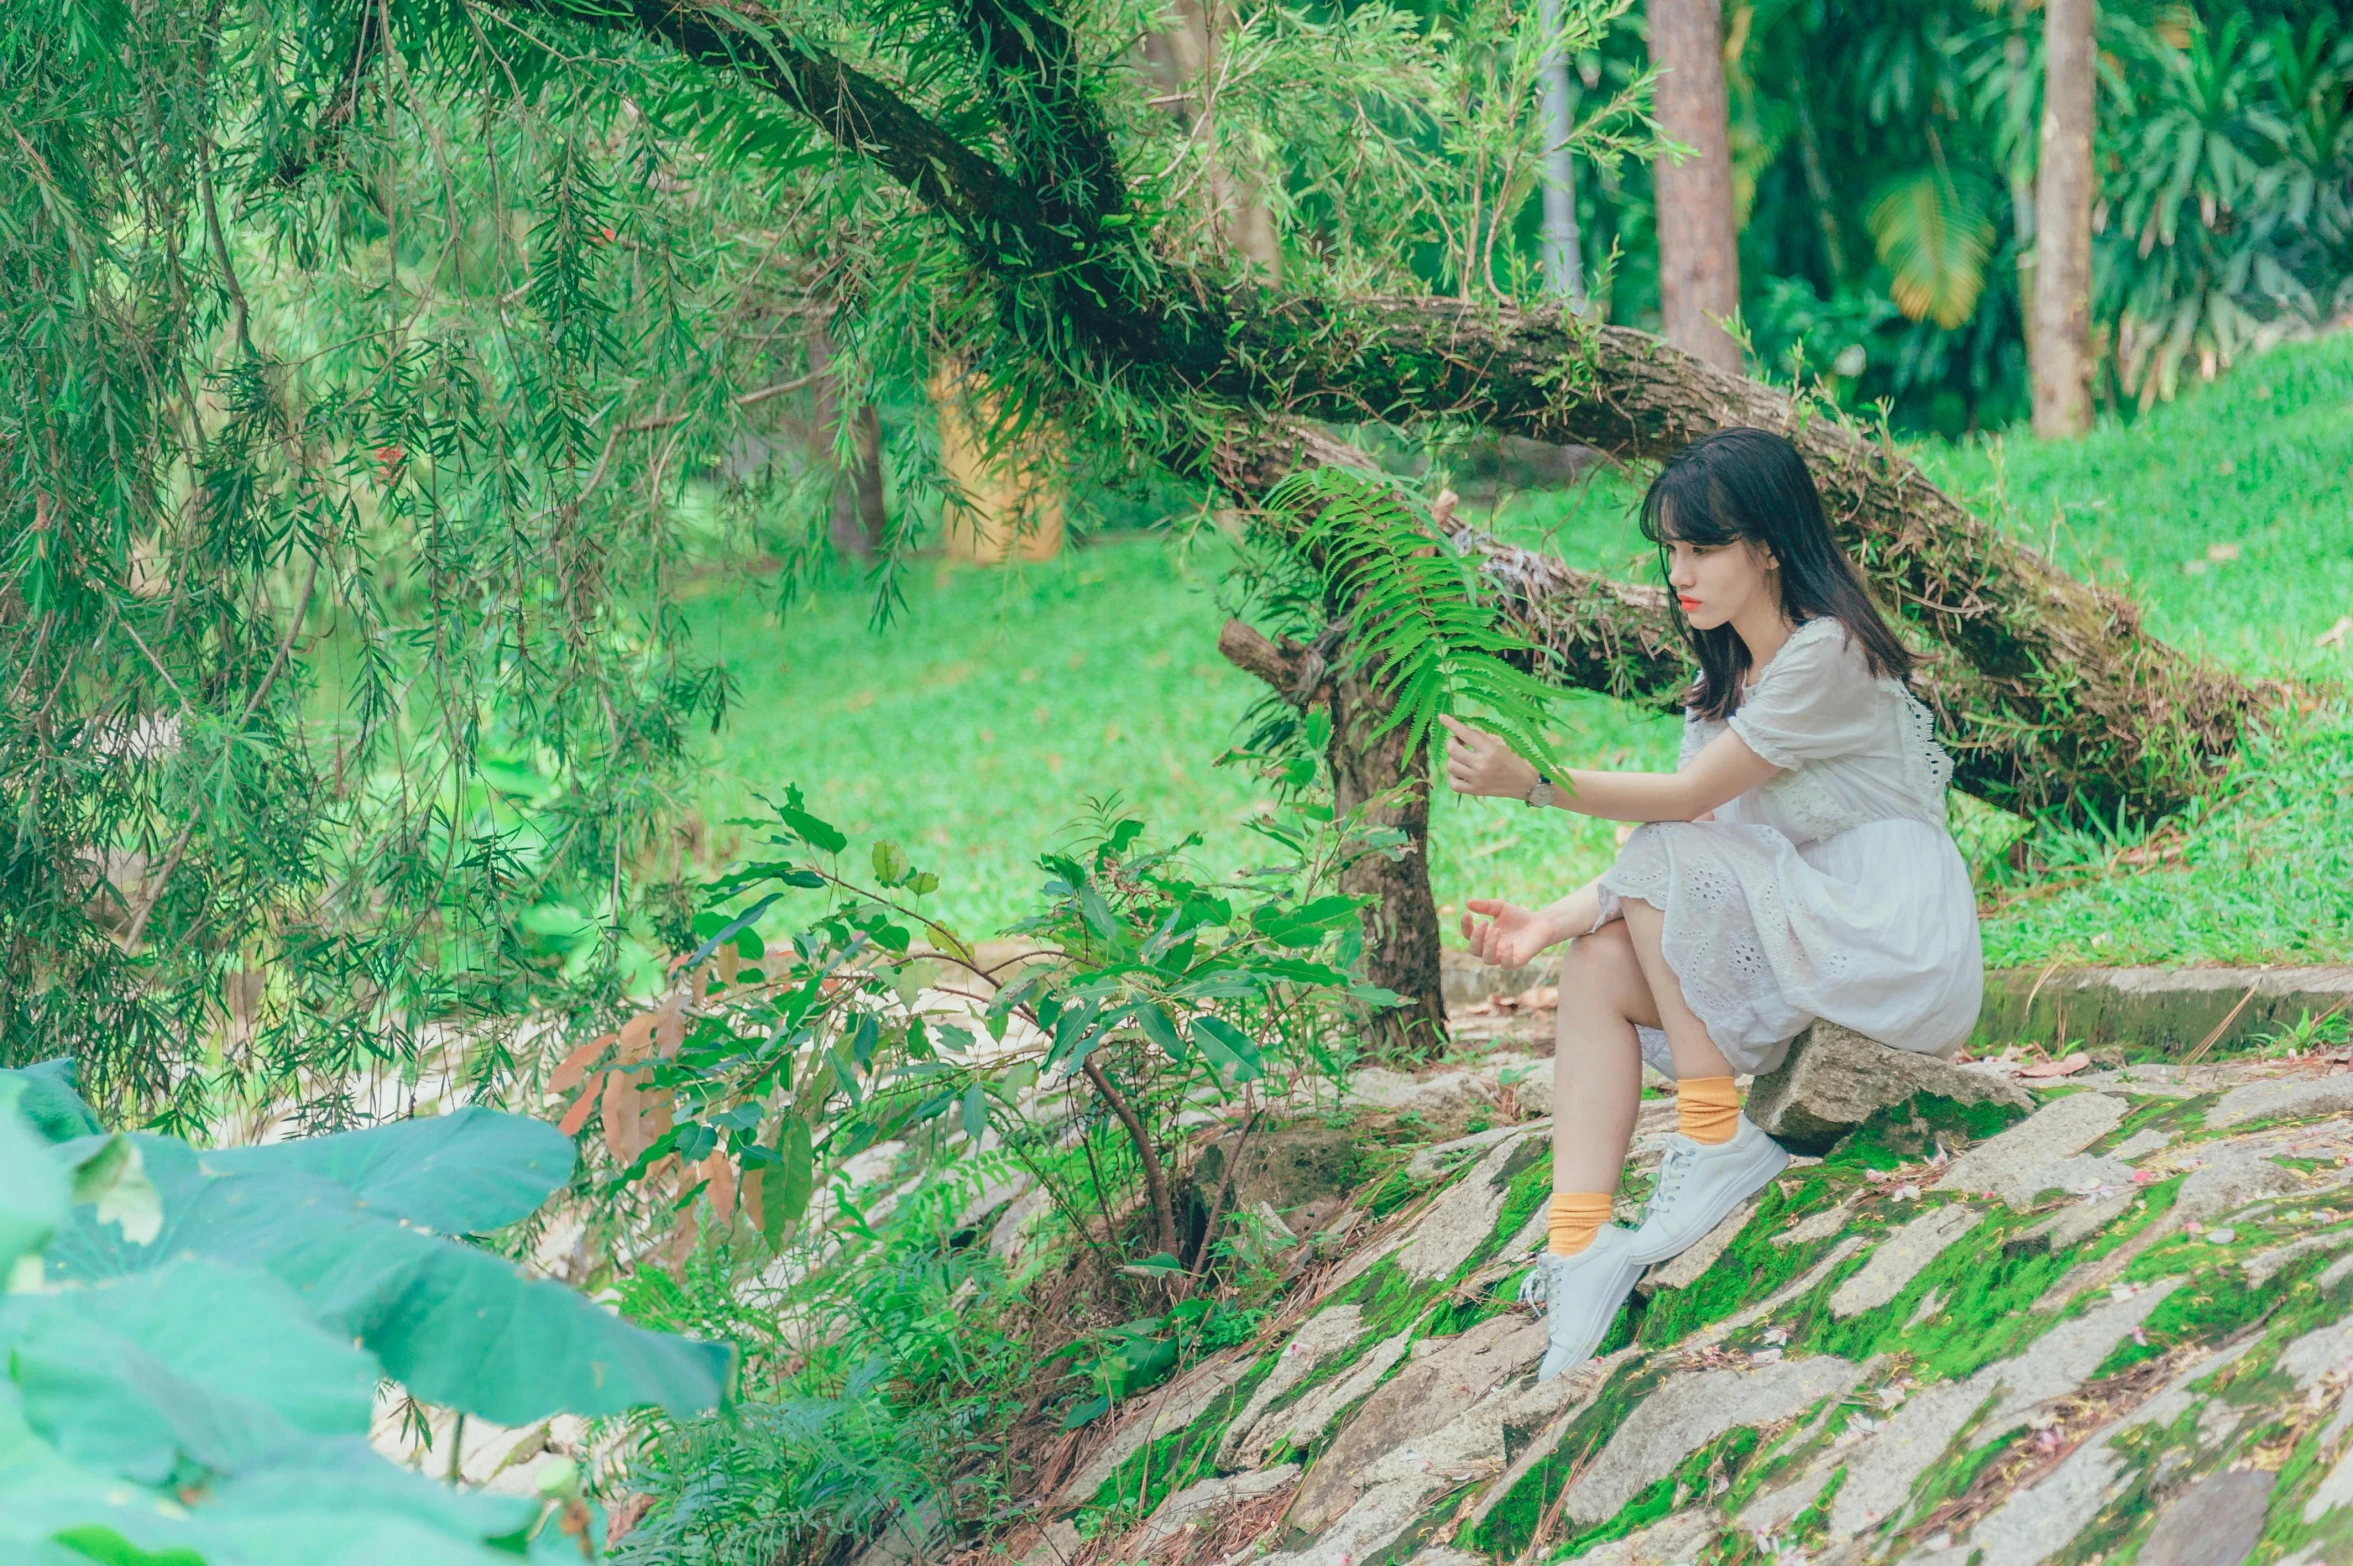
[1809, 149]
[1184, 57]
[2063, 223]
[1699, 246]
[2021, 83]
[871, 507]
[1390, 779]
[1564, 260]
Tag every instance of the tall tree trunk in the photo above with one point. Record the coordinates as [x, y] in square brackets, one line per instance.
[1564, 259]
[1699, 246]
[2063, 223]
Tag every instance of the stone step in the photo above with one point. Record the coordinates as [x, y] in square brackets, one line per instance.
[2173, 1010]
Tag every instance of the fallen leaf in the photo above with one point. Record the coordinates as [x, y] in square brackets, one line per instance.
[2057, 1068]
[2222, 551]
[2335, 635]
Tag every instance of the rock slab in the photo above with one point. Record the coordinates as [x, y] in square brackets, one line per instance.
[1834, 1079]
[2035, 1155]
[2215, 1522]
[1686, 1413]
[1901, 1257]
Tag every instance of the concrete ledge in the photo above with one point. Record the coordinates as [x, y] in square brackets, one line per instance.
[2170, 1009]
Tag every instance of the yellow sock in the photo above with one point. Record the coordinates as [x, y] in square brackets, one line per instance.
[1707, 1109]
[1577, 1216]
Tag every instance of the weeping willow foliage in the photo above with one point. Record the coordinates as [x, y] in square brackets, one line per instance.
[376, 371]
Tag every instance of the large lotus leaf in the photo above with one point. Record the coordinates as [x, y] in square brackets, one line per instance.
[463, 1173]
[194, 1360]
[53, 1101]
[33, 1186]
[457, 1325]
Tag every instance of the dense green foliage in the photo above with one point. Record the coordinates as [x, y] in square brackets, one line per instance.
[194, 1341]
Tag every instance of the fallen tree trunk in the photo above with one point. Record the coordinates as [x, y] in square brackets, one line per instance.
[2055, 700]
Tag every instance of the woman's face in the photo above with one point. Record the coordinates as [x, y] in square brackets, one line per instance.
[1717, 584]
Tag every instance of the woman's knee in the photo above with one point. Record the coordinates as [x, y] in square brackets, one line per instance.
[1601, 967]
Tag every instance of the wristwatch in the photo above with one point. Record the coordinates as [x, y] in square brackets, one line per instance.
[1541, 795]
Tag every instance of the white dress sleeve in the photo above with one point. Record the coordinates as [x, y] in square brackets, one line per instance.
[1815, 699]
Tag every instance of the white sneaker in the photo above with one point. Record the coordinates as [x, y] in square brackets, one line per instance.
[1700, 1184]
[1581, 1294]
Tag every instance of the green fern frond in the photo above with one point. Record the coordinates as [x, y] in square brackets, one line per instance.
[1416, 624]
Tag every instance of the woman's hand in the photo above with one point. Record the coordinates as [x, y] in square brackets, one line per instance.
[1479, 763]
[1510, 935]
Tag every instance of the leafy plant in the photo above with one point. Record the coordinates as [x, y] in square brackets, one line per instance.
[1411, 608]
[777, 1057]
[194, 1340]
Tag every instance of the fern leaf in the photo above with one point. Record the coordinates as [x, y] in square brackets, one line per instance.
[1417, 627]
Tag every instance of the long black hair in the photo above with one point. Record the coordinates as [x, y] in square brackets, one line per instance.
[1744, 485]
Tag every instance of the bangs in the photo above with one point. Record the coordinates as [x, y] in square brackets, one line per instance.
[1688, 506]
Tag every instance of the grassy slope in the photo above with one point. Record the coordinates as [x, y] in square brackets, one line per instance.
[976, 730]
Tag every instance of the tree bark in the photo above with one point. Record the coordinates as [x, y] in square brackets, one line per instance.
[1699, 245]
[1389, 779]
[2061, 340]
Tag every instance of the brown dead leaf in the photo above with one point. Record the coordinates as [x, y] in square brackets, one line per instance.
[719, 1183]
[2056, 1068]
[577, 1115]
[622, 1138]
[571, 1068]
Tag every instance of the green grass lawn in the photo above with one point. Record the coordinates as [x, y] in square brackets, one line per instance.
[979, 727]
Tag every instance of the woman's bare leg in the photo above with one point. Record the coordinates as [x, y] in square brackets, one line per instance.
[1696, 1054]
[1596, 1063]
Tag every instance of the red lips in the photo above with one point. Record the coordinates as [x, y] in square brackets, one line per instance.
[1688, 604]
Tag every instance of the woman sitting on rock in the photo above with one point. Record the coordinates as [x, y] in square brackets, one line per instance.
[1795, 866]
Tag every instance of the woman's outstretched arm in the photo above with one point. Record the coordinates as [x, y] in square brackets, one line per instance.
[1479, 763]
[1508, 935]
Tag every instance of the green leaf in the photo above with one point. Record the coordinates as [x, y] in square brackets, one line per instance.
[52, 1100]
[464, 1173]
[784, 1196]
[976, 1111]
[1100, 919]
[820, 835]
[890, 862]
[33, 1189]
[1306, 923]
[458, 1325]
[194, 1360]
[1157, 1027]
[1934, 235]
[1229, 1049]
[742, 921]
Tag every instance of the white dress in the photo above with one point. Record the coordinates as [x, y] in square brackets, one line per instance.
[1832, 891]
